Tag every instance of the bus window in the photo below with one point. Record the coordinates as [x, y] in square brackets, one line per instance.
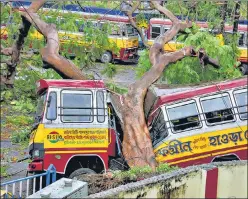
[241, 39]
[52, 106]
[184, 116]
[165, 30]
[217, 109]
[156, 31]
[40, 107]
[100, 106]
[115, 30]
[131, 31]
[159, 130]
[241, 102]
[76, 107]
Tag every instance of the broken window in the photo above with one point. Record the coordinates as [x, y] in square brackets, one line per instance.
[184, 116]
[217, 109]
[159, 130]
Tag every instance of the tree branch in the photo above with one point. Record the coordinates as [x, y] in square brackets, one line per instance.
[164, 11]
[50, 53]
[133, 23]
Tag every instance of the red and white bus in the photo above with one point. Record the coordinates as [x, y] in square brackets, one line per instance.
[199, 124]
[159, 26]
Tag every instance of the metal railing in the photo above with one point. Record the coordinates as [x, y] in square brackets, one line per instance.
[12, 188]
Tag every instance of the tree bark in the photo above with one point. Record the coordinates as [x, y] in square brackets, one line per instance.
[223, 17]
[236, 17]
[50, 53]
[137, 146]
[133, 23]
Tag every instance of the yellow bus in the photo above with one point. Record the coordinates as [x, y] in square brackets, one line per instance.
[122, 35]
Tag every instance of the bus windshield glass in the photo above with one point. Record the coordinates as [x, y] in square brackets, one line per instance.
[131, 31]
[40, 107]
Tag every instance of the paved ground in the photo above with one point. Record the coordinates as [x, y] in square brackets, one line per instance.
[125, 73]
[15, 170]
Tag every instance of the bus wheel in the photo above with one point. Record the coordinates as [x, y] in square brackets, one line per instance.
[244, 69]
[106, 57]
[81, 171]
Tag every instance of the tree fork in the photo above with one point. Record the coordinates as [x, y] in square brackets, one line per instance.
[137, 145]
[50, 53]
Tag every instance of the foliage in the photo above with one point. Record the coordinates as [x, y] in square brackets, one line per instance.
[101, 4]
[189, 69]
[141, 21]
[21, 136]
[136, 173]
[3, 170]
[110, 70]
[87, 46]
[209, 11]
[19, 120]
[116, 88]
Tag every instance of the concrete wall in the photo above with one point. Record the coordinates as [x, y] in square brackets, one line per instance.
[215, 180]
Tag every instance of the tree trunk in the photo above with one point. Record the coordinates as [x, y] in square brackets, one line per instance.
[236, 17]
[223, 17]
[137, 146]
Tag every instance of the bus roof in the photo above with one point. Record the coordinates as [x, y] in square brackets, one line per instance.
[159, 95]
[84, 12]
[43, 84]
[158, 21]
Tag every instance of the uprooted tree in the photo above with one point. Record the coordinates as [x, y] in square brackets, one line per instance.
[137, 145]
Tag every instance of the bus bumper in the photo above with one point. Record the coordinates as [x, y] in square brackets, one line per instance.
[129, 55]
[35, 166]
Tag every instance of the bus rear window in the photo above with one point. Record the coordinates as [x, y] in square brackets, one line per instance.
[184, 117]
[241, 101]
[217, 109]
[76, 107]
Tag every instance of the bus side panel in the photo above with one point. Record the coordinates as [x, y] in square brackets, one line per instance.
[241, 154]
[61, 164]
[61, 144]
[112, 143]
[243, 56]
[203, 146]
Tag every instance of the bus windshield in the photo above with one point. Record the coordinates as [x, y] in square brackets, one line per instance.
[131, 31]
[40, 107]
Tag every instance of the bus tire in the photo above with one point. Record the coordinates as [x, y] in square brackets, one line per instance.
[244, 69]
[81, 171]
[106, 57]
